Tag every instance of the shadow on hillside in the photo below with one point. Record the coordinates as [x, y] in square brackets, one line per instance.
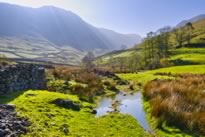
[4, 99]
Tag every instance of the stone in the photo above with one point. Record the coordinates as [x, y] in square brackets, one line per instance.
[2, 133]
[94, 111]
[122, 82]
[10, 123]
[69, 104]
[65, 130]
[8, 106]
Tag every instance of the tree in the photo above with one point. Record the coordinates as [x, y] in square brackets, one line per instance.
[164, 41]
[156, 46]
[189, 28]
[180, 35]
[87, 61]
[149, 48]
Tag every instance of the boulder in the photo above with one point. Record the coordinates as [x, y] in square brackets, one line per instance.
[69, 104]
[94, 111]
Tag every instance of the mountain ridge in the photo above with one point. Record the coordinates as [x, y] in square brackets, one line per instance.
[61, 27]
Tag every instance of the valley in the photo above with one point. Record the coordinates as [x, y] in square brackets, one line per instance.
[63, 77]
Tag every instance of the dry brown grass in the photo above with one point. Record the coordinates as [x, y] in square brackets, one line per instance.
[179, 102]
[65, 73]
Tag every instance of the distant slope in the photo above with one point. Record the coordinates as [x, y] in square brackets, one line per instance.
[194, 19]
[38, 49]
[121, 40]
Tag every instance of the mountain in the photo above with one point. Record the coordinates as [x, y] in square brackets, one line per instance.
[194, 19]
[60, 27]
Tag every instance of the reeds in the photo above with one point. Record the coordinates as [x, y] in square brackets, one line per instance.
[179, 102]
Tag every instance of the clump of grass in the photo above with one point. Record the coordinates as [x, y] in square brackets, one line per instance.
[179, 102]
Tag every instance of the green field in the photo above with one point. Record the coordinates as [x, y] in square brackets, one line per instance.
[146, 76]
[39, 49]
[192, 55]
[38, 107]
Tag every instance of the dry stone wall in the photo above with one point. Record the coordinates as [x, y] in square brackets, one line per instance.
[21, 77]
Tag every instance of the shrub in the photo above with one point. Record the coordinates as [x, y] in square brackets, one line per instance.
[87, 77]
[65, 73]
[88, 83]
[112, 87]
[58, 86]
[106, 83]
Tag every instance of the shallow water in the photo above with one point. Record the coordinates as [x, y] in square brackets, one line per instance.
[131, 104]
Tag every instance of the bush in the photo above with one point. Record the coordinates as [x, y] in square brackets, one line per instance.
[65, 73]
[112, 87]
[88, 83]
[87, 77]
[164, 62]
[58, 86]
[106, 83]
[87, 93]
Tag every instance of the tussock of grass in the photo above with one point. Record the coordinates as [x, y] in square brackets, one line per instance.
[178, 102]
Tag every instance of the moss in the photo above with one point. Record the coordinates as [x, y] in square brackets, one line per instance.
[38, 108]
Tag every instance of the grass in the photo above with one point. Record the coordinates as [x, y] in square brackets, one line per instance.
[82, 123]
[179, 105]
[192, 55]
[144, 77]
[105, 59]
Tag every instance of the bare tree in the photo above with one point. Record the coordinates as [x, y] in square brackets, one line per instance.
[87, 61]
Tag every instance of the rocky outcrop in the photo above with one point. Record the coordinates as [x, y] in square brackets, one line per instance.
[10, 124]
[21, 77]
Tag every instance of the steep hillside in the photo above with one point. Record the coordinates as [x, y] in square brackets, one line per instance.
[61, 27]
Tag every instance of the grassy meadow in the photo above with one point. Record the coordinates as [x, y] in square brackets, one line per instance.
[50, 120]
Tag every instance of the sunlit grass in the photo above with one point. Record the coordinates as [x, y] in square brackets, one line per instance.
[144, 77]
[38, 106]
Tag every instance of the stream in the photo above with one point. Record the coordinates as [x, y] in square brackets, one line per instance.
[125, 103]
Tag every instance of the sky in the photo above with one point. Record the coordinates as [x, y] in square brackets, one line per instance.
[126, 16]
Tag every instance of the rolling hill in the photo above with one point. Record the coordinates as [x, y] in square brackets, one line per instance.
[187, 55]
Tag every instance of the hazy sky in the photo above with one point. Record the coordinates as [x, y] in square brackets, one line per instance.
[126, 16]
